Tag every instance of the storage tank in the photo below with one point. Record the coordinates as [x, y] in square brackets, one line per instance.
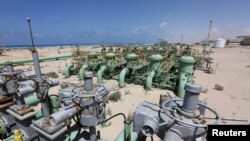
[219, 43]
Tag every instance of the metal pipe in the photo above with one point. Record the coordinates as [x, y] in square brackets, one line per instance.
[100, 73]
[41, 59]
[36, 64]
[82, 71]
[191, 97]
[149, 80]
[181, 86]
[62, 115]
[127, 133]
[25, 90]
[88, 81]
[122, 77]
[31, 36]
[45, 108]
[67, 70]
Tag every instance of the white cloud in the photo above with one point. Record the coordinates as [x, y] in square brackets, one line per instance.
[163, 24]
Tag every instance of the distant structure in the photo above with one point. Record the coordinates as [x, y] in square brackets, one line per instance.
[219, 43]
[245, 40]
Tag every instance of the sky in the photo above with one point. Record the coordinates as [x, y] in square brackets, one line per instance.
[121, 21]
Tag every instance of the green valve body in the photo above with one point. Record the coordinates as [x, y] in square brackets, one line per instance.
[155, 61]
[131, 57]
[186, 64]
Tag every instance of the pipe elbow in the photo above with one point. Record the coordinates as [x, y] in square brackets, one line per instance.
[82, 71]
[122, 76]
[99, 74]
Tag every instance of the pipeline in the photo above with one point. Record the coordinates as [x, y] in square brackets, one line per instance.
[66, 71]
[52, 57]
[100, 73]
[181, 87]
[122, 76]
[127, 133]
[82, 71]
[149, 80]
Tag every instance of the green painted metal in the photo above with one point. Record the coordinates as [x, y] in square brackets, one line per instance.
[155, 61]
[131, 56]
[67, 70]
[122, 76]
[149, 80]
[52, 57]
[82, 71]
[54, 103]
[72, 135]
[127, 133]
[110, 55]
[39, 114]
[31, 99]
[100, 73]
[186, 64]
[181, 87]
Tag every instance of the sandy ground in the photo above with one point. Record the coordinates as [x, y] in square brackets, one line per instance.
[233, 73]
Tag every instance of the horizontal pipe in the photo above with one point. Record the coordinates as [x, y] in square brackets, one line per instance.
[52, 57]
[62, 115]
[25, 90]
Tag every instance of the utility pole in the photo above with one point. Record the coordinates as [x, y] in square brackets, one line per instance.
[208, 35]
[31, 35]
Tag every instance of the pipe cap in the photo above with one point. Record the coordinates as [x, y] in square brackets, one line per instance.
[193, 88]
[88, 74]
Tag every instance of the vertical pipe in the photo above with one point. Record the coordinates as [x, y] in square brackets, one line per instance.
[191, 96]
[88, 81]
[31, 36]
[45, 109]
[13, 83]
[36, 64]
[181, 86]
[92, 133]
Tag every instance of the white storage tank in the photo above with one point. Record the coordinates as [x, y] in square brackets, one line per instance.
[219, 43]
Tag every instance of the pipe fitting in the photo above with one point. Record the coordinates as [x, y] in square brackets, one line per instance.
[88, 81]
[191, 96]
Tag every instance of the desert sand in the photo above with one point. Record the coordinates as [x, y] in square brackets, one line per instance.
[233, 73]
